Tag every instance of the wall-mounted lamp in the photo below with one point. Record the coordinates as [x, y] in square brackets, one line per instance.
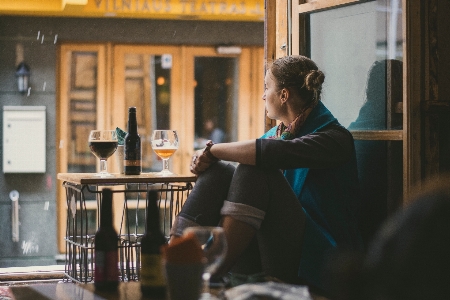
[23, 77]
[228, 50]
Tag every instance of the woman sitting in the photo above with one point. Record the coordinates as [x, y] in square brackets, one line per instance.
[294, 195]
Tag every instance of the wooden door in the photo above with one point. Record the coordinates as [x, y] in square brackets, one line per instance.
[82, 104]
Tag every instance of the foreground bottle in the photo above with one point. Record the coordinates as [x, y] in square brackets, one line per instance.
[153, 283]
[132, 146]
[106, 275]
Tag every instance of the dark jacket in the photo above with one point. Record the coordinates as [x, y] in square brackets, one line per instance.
[324, 178]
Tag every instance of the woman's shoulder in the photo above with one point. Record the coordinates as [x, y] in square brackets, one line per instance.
[335, 127]
[337, 133]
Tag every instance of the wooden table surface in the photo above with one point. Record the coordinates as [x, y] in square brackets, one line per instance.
[152, 177]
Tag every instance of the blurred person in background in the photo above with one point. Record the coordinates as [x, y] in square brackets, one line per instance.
[409, 256]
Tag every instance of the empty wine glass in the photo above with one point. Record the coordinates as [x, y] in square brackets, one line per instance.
[164, 143]
[103, 143]
[214, 246]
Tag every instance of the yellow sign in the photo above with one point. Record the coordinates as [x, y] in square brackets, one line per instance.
[224, 10]
[250, 10]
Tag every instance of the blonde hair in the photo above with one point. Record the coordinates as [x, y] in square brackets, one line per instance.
[299, 73]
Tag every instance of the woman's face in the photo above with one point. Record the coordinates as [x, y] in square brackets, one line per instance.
[272, 97]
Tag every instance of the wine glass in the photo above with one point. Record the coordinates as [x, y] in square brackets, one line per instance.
[214, 246]
[103, 143]
[164, 143]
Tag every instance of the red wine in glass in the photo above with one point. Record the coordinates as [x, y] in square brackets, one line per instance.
[103, 149]
[103, 143]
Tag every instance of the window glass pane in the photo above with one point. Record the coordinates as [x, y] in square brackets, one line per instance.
[359, 48]
[215, 100]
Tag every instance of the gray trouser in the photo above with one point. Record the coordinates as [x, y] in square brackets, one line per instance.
[259, 197]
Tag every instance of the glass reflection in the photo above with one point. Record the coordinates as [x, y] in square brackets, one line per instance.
[383, 99]
[215, 100]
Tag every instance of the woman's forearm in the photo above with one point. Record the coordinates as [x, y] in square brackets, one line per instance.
[242, 152]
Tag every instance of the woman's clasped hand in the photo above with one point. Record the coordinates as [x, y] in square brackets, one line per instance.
[202, 159]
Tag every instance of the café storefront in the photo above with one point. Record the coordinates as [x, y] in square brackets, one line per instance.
[179, 62]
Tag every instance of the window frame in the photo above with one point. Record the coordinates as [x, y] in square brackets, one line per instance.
[282, 17]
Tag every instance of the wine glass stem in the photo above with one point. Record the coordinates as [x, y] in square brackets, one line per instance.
[206, 277]
[165, 165]
[103, 166]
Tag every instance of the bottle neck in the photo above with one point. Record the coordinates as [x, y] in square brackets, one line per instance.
[132, 123]
[152, 222]
[106, 209]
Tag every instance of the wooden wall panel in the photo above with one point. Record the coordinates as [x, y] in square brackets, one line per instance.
[413, 92]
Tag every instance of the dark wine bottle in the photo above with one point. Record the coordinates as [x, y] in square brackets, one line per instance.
[132, 146]
[153, 283]
[106, 274]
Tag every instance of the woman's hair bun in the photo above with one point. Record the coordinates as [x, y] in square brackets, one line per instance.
[314, 80]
